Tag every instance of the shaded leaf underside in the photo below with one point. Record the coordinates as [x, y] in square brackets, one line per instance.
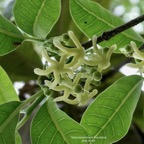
[110, 115]
[93, 19]
[10, 36]
[36, 17]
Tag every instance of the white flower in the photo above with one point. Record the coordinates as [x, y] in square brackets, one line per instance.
[137, 55]
[99, 59]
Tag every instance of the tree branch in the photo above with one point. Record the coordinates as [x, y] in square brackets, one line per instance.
[109, 34]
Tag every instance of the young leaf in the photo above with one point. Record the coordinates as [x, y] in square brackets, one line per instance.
[51, 125]
[37, 17]
[17, 138]
[108, 118]
[10, 36]
[8, 122]
[93, 19]
[7, 92]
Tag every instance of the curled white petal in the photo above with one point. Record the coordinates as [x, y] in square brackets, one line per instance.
[41, 72]
[137, 54]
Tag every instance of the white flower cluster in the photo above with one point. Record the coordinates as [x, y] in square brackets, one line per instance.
[67, 76]
[138, 55]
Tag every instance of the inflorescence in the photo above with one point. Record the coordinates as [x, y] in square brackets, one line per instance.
[138, 56]
[75, 70]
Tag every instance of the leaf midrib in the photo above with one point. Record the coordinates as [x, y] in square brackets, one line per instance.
[37, 16]
[10, 117]
[11, 34]
[117, 110]
[55, 123]
[105, 21]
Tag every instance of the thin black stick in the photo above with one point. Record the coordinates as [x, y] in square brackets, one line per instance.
[109, 34]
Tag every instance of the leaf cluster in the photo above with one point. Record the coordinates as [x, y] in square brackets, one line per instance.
[107, 119]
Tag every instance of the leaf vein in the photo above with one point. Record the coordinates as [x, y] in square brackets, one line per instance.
[33, 4]
[120, 105]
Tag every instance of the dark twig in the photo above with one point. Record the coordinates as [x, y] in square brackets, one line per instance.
[109, 34]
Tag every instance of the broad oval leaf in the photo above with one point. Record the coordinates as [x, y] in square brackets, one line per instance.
[7, 91]
[93, 19]
[109, 117]
[51, 125]
[8, 122]
[37, 17]
[10, 36]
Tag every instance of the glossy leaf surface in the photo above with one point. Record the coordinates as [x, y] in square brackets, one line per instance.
[7, 91]
[93, 19]
[36, 17]
[109, 117]
[8, 122]
[10, 36]
[51, 125]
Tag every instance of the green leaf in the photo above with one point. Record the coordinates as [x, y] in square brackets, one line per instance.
[51, 125]
[109, 117]
[17, 138]
[10, 36]
[37, 17]
[8, 122]
[65, 23]
[93, 19]
[7, 92]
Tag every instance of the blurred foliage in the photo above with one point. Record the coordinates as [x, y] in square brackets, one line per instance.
[127, 10]
[1, 6]
[19, 64]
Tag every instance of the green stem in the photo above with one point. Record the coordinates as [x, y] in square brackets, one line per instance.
[39, 93]
[33, 39]
[29, 111]
[16, 111]
[20, 36]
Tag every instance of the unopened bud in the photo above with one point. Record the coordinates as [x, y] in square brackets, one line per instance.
[97, 75]
[96, 83]
[105, 50]
[93, 70]
[128, 48]
[78, 88]
[65, 37]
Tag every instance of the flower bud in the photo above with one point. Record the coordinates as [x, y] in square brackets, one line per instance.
[65, 37]
[96, 83]
[105, 50]
[51, 46]
[93, 70]
[78, 88]
[127, 49]
[97, 75]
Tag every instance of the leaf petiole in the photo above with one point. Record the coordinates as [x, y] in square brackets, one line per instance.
[16, 111]
[29, 111]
